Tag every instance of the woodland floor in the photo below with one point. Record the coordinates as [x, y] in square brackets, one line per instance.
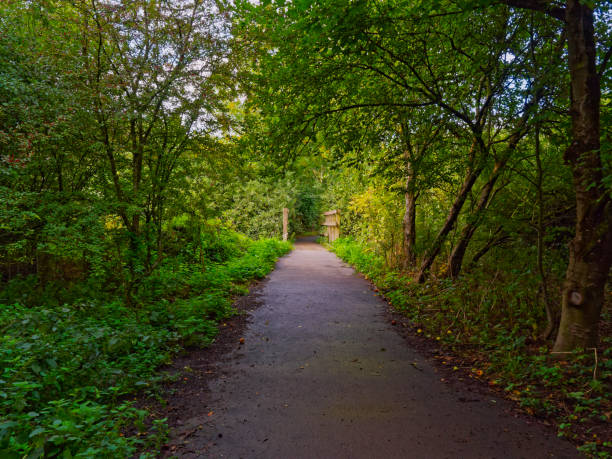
[325, 370]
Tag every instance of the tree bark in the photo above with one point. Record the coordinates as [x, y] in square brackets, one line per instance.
[410, 222]
[591, 249]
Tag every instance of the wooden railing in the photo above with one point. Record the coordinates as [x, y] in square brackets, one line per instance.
[332, 224]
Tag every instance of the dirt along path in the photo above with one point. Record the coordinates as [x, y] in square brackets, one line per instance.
[322, 374]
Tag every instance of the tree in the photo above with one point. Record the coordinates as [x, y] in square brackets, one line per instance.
[591, 248]
[152, 70]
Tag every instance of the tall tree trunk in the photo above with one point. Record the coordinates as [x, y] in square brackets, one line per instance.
[410, 222]
[468, 182]
[137, 161]
[591, 249]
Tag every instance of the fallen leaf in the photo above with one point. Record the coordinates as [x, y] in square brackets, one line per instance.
[210, 413]
[241, 340]
[414, 364]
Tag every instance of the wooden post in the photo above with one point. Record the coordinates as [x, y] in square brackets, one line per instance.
[332, 224]
[285, 223]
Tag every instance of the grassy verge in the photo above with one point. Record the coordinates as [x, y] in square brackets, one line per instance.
[491, 325]
[66, 369]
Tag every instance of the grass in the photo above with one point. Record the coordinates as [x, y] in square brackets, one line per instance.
[491, 322]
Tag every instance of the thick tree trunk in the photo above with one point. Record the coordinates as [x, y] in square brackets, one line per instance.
[410, 223]
[591, 248]
[468, 182]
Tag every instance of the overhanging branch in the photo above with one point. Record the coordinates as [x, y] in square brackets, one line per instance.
[544, 6]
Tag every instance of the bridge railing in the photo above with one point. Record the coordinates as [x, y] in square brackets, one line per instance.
[332, 224]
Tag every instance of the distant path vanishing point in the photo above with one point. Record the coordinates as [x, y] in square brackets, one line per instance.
[322, 374]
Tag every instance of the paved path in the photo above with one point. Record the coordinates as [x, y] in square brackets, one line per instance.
[323, 375]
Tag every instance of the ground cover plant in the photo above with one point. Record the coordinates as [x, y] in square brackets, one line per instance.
[68, 367]
[493, 331]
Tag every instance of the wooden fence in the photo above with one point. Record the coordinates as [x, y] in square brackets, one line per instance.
[332, 224]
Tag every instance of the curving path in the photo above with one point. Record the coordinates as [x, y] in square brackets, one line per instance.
[322, 374]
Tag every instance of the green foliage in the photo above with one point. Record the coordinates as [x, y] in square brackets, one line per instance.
[126, 154]
[308, 209]
[379, 215]
[65, 369]
[256, 207]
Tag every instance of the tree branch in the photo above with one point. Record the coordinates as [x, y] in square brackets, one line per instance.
[542, 6]
[604, 62]
[381, 104]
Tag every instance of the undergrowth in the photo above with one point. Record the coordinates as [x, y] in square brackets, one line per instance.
[67, 368]
[494, 327]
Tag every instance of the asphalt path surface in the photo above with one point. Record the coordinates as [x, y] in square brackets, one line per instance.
[323, 374]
